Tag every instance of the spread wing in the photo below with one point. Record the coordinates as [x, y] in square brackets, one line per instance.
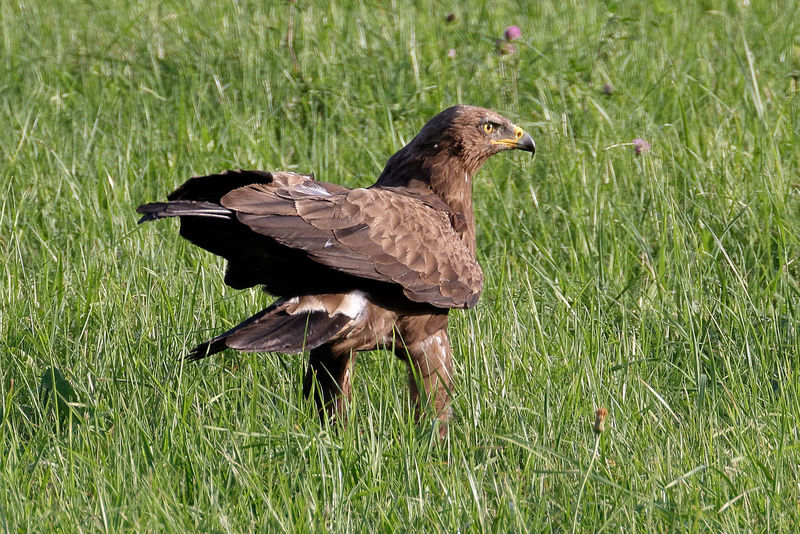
[370, 233]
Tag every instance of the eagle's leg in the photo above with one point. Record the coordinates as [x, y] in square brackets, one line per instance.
[430, 365]
[328, 379]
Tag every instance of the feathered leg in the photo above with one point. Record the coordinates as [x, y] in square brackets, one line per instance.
[430, 366]
[328, 378]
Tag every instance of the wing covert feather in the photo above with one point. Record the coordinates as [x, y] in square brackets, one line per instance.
[371, 233]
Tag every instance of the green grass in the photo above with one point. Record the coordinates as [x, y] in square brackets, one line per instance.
[663, 287]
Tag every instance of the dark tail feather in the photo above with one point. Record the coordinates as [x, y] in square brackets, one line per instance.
[180, 208]
[274, 330]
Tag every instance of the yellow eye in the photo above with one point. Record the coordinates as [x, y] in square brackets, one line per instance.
[488, 127]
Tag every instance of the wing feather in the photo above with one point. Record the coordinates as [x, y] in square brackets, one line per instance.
[370, 233]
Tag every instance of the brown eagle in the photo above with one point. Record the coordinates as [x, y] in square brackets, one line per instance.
[353, 269]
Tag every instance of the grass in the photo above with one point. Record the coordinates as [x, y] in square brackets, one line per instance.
[662, 286]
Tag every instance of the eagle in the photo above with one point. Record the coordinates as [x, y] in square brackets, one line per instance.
[353, 269]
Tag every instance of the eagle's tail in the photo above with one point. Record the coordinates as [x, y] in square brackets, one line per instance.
[181, 208]
[289, 326]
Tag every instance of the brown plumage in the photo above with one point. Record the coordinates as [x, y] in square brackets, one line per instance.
[353, 269]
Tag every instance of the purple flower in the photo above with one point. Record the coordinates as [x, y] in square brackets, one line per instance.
[512, 33]
[451, 53]
[640, 146]
[607, 89]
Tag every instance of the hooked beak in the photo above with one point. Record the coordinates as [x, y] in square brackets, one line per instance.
[521, 141]
[526, 143]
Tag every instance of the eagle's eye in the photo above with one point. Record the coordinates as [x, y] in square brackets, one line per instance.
[488, 127]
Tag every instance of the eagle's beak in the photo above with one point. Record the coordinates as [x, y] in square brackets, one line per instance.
[521, 141]
[524, 141]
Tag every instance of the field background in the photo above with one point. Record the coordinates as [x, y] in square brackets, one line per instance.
[664, 286]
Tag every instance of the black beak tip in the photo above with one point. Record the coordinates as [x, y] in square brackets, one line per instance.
[526, 143]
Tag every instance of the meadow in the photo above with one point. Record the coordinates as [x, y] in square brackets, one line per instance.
[658, 280]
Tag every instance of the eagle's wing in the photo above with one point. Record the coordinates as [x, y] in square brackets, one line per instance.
[370, 233]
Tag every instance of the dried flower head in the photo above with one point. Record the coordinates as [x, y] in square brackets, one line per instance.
[504, 48]
[451, 17]
[640, 146]
[600, 420]
[512, 33]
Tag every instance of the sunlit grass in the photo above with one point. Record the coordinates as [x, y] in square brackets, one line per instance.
[661, 286]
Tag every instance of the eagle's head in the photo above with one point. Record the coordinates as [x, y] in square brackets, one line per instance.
[442, 159]
[472, 134]
[454, 143]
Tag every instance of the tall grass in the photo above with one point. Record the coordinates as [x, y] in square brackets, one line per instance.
[661, 286]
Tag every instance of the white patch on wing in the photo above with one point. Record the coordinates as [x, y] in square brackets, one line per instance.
[353, 304]
[312, 188]
[328, 243]
[306, 304]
